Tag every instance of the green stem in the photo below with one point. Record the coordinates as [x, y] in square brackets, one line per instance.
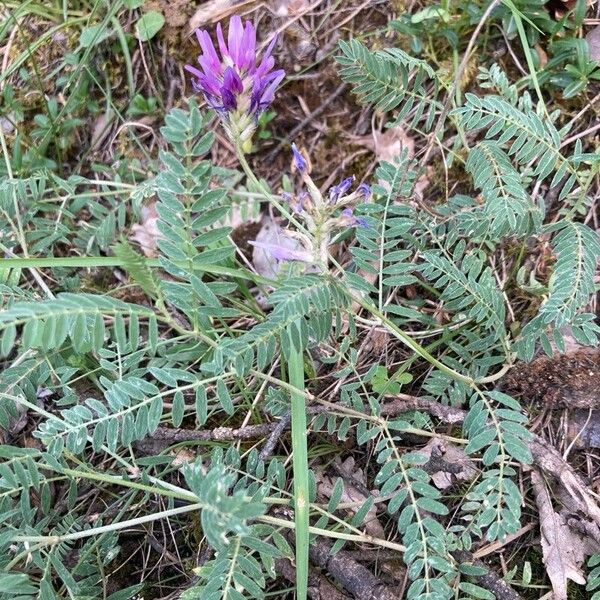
[264, 190]
[518, 16]
[87, 262]
[408, 341]
[300, 468]
[117, 526]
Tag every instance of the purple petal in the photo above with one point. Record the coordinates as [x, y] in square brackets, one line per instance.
[364, 190]
[222, 45]
[337, 191]
[248, 50]
[232, 81]
[296, 204]
[194, 71]
[236, 33]
[267, 61]
[268, 93]
[298, 159]
[260, 100]
[280, 252]
[207, 84]
[346, 184]
[229, 99]
[208, 51]
[210, 85]
[352, 221]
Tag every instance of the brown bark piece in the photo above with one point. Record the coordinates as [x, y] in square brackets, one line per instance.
[352, 576]
[319, 587]
[490, 581]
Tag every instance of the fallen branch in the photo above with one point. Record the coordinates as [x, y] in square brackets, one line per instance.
[352, 576]
[319, 587]
[490, 581]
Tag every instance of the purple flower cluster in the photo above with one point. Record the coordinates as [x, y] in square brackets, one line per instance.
[339, 196]
[237, 81]
[322, 218]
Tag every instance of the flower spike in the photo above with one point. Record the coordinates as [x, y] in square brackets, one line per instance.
[239, 85]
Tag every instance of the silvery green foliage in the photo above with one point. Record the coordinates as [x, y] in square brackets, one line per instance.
[67, 197]
[518, 147]
[177, 358]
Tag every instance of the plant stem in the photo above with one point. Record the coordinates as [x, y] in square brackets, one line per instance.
[408, 341]
[300, 468]
[78, 535]
[84, 262]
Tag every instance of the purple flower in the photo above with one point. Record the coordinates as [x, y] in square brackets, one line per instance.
[299, 160]
[348, 216]
[364, 190]
[281, 252]
[339, 190]
[296, 204]
[237, 80]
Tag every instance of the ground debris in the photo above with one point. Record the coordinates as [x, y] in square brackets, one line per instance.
[352, 576]
[564, 549]
[448, 464]
[562, 381]
[351, 493]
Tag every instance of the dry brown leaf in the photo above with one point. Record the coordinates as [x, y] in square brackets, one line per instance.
[389, 144]
[542, 56]
[183, 456]
[101, 129]
[569, 5]
[325, 485]
[453, 455]
[564, 550]
[8, 123]
[575, 494]
[593, 40]
[215, 10]
[147, 234]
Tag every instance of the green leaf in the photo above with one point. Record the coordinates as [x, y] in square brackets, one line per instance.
[475, 591]
[480, 440]
[336, 495]
[92, 36]
[178, 408]
[149, 25]
[224, 397]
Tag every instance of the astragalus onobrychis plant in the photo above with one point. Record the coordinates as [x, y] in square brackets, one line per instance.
[99, 375]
